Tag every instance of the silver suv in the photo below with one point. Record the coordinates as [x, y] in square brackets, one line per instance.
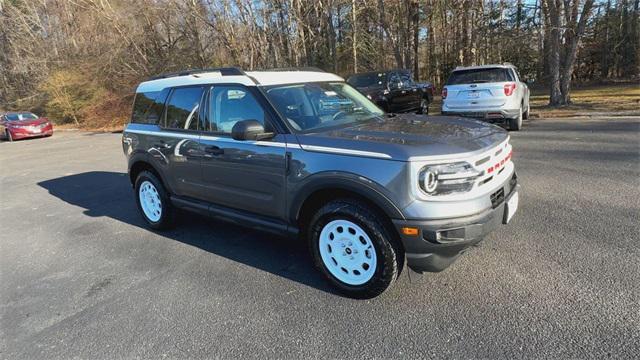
[304, 154]
[494, 93]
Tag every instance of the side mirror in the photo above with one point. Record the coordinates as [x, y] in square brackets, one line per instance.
[249, 130]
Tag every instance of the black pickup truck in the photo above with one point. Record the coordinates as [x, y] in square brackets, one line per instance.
[394, 90]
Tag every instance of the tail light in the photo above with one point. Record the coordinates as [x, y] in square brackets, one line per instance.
[509, 88]
[444, 93]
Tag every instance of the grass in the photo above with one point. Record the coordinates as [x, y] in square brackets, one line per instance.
[590, 100]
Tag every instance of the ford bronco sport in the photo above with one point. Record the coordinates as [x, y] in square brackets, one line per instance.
[303, 153]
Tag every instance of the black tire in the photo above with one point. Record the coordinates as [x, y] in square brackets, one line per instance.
[7, 135]
[525, 115]
[167, 218]
[387, 251]
[424, 107]
[515, 124]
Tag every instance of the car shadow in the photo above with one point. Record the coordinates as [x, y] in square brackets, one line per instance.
[110, 194]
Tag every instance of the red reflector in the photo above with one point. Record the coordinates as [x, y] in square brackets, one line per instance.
[490, 170]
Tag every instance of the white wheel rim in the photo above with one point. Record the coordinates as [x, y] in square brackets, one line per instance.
[347, 252]
[150, 201]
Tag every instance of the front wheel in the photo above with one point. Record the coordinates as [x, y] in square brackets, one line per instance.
[8, 135]
[353, 248]
[153, 201]
[424, 107]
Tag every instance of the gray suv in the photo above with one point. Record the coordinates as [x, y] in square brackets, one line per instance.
[302, 153]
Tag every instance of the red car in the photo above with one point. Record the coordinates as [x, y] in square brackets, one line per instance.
[21, 125]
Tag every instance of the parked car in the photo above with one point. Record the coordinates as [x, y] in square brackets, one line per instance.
[494, 93]
[303, 153]
[21, 125]
[394, 90]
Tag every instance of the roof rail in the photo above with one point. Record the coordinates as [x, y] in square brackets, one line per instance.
[304, 68]
[225, 71]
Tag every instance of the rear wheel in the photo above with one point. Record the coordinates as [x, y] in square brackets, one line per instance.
[353, 249]
[424, 107]
[525, 115]
[153, 201]
[516, 123]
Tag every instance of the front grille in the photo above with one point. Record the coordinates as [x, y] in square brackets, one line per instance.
[497, 198]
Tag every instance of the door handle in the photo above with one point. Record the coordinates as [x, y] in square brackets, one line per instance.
[162, 145]
[213, 150]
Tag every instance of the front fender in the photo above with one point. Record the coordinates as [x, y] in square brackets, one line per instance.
[357, 184]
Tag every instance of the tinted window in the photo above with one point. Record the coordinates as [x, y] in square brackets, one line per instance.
[230, 104]
[367, 80]
[20, 116]
[183, 107]
[474, 76]
[147, 107]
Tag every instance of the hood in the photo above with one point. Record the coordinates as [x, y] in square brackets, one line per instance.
[37, 121]
[406, 136]
[371, 90]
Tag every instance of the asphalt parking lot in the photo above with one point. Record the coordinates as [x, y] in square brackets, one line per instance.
[80, 275]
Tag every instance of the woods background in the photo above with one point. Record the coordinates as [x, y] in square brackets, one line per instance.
[80, 60]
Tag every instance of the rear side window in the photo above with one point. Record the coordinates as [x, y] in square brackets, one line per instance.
[148, 106]
[474, 76]
[183, 107]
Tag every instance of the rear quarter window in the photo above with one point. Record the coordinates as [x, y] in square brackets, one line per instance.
[148, 107]
[474, 76]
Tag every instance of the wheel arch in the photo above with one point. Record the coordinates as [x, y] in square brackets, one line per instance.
[140, 163]
[321, 190]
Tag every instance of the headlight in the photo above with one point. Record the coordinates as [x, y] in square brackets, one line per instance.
[442, 179]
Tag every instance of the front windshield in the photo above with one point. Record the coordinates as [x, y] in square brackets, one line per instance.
[21, 116]
[367, 80]
[312, 106]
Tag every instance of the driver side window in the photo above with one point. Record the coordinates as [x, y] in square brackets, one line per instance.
[229, 104]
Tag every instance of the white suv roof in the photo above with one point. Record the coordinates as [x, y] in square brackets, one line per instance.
[488, 66]
[249, 78]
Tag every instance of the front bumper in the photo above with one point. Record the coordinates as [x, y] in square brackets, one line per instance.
[18, 134]
[485, 114]
[439, 242]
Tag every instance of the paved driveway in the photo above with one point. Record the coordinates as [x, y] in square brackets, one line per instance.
[80, 275]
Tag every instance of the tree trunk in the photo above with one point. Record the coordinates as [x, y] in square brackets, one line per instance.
[416, 39]
[552, 10]
[354, 36]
